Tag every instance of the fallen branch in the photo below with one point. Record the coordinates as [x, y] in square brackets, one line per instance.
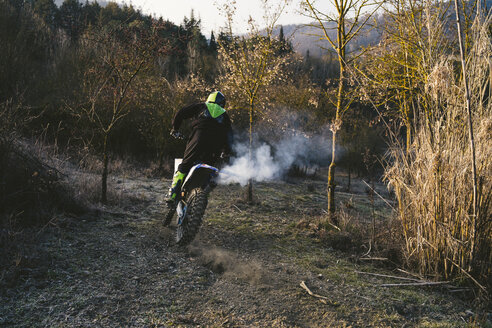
[384, 200]
[334, 226]
[468, 275]
[369, 250]
[410, 274]
[461, 269]
[373, 259]
[424, 283]
[460, 290]
[322, 299]
[237, 208]
[388, 276]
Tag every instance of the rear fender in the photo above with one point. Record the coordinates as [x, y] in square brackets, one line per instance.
[199, 176]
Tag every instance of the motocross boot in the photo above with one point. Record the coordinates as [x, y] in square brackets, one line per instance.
[175, 187]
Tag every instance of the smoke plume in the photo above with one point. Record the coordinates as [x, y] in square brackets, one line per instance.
[270, 162]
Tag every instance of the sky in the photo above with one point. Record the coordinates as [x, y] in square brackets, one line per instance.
[208, 12]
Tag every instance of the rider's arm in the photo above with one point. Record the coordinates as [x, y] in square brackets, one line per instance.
[185, 113]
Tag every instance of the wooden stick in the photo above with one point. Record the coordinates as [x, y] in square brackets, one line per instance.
[424, 283]
[322, 299]
[388, 276]
[384, 200]
[373, 259]
[410, 274]
[237, 208]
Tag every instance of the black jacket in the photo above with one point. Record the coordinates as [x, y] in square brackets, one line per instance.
[210, 136]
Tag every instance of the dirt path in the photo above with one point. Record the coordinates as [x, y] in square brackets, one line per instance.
[120, 268]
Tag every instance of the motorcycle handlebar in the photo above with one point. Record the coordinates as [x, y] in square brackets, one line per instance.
[177, 135]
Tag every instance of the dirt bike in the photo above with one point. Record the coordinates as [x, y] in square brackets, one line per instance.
[191, 202]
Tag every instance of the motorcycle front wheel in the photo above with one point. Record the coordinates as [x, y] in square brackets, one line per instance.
[197, 203]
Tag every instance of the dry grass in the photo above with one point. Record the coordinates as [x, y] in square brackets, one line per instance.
[433, 179]
[32, 189]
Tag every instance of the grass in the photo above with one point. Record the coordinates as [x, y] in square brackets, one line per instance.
[304, 246]
[433, 179]
[123, 269]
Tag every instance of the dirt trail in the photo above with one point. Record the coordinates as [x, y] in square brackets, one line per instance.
[121, 268]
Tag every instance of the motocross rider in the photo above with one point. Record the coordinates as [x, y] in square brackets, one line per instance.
[211, 136]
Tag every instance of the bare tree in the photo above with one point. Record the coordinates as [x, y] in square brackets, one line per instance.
[347, 21]
[415, 40]
[115, 58]
[251, 64]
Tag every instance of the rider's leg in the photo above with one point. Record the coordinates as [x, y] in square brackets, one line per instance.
[175, 186]
[189, 159]
[198, 149]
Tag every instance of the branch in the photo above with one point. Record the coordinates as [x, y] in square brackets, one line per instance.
[388, 276]
[323, 299]
[350, 34]
[420, 284]
[315, 12]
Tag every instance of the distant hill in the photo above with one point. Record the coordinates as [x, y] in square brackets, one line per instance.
[306, 38]
[102, 3]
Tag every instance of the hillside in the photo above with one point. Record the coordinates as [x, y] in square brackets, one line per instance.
[308, 38]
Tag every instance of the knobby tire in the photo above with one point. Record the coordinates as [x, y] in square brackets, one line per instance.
[197, 203]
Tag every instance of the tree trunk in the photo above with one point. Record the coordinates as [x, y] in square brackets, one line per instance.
[331, 179]
[104, 180]
[249, 192]
[349, 177]
[334, 128]
[341, 38]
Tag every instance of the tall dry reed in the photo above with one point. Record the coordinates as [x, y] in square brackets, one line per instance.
[433, 180]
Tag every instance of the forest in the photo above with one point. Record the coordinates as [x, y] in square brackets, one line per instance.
[376, 147]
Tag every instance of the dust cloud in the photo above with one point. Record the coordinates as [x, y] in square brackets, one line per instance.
[227, 263]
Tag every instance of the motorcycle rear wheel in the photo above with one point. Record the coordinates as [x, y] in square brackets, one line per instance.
[197, 203]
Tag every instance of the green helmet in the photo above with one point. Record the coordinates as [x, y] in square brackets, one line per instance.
[217, 98]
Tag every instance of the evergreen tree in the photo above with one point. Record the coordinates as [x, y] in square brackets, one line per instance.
[112, 12]
[69, 18]
[285, 45]
[196, 43]
[212, 45]
[47, 10]
[90, 13]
